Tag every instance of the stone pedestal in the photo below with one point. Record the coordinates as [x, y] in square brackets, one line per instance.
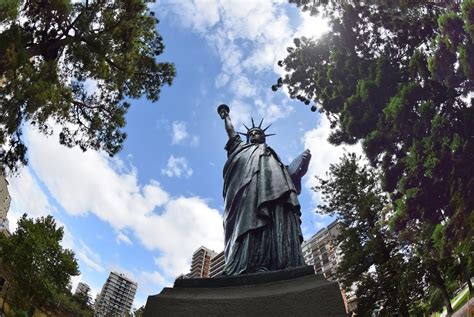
[291, 292]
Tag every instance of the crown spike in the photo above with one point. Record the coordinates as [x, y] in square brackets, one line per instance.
[269, 134]
[253, 123]
[260, 125]
[267, 127]
[246, 127]
[241, 133]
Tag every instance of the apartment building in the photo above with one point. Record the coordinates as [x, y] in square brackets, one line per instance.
[82, 289]
[217, 265]
[116, 297]
[4, 201]
[321, 250]
[201, 262]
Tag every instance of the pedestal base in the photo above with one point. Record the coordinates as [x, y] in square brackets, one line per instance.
[291, 292]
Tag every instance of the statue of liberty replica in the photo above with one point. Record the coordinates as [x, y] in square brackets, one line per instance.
[262, 213]
[262, 234]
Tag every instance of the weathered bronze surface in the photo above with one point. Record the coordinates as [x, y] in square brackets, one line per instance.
[262, 213]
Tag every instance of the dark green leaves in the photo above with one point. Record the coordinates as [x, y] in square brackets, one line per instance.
[57, 48]
[398, 76]
[36, 265]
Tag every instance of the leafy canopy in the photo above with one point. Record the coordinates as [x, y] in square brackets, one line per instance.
[398, 77]
[36, 265]
[388, 277]
[53, 52]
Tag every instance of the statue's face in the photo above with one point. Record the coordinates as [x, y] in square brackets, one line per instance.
[256, 136]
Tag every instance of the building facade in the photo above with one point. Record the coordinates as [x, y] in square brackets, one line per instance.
[116, 297]
[4, 202]
[82, 289]
[201, 262]
[217, 265]
[321, 251]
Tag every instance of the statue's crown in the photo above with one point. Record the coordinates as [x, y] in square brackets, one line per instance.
[258, 128]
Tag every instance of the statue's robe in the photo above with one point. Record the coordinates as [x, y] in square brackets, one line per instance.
[262, 212]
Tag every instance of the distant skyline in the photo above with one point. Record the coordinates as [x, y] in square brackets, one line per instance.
[145, 211]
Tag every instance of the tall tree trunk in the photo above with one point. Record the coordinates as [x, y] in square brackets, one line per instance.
[447, 300]
[439, 282]
[403, 310]
[3, 304]
[469, 285]
[5, 295]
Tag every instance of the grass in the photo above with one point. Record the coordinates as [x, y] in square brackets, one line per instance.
[460, 299]
[457, 302]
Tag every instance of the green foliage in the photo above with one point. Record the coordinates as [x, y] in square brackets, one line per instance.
[397, 76]
[74, 305]
[388, 276]
[8, 9]
[48, 52]
[139, 312]
[37, 267]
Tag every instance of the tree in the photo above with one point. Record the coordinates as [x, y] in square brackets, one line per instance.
[84, 300]
[139, 312]
[398, 78]
[73, 305]
[50, 51]
[387, 280]
[37, 268]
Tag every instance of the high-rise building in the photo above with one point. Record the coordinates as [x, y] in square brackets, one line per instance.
[4, 202]
[217, 265]
[321, 250]
[116, 297]
[201, 262]
[4, 206]
[82, 289]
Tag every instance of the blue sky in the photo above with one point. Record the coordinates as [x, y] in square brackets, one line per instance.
[146, 210]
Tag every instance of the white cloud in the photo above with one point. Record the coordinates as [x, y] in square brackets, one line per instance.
[179, 132]
[177, 166]
[123, 238]
[312, 27]
[180, 135]
[323, 153]
[222, 80]
[89, 262]
[186, 224]
[89, 257]
[201, 14]
[27, 197]
[239, 113]
[150, 282]
[74, 281]
[242, 87]
[91, 86]
[91, 182]
[247, 38]
[272, 112]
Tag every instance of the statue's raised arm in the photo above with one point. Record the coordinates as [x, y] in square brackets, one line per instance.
[223, 111]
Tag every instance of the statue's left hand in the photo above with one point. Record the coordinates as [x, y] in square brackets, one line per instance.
[299, 166]
[305, 158]
[306, 155]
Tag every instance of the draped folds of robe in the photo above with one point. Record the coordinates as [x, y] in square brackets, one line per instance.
[262, 213]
